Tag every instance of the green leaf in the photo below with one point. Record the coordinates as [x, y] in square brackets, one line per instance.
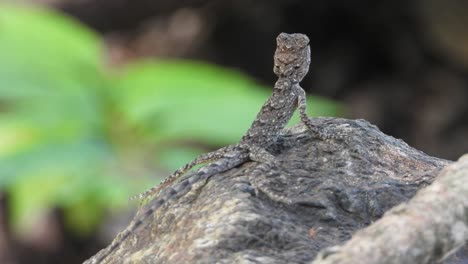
[51, 111]
[43, 45]
[173, 99]
[49, 69]
[183, 99]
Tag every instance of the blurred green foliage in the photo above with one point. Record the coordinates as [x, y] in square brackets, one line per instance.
[77, 136]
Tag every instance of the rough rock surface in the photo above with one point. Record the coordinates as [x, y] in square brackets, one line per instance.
[428, 229]
[336, 188]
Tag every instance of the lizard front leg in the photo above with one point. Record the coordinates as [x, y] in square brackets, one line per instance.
[302, 105]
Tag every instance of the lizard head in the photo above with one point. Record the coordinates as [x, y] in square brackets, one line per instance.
[292, 56]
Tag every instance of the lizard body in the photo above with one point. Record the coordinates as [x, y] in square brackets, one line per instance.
[291, 64]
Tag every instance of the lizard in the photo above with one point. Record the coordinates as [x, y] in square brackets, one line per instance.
[291, 64]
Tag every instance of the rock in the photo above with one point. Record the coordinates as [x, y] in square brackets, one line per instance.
[316, 195]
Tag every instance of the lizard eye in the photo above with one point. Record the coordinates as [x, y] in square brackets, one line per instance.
[297, 66]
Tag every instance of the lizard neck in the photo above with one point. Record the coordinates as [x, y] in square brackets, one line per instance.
[273, 116]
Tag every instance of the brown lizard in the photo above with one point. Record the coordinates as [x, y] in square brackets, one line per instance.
[291, 64]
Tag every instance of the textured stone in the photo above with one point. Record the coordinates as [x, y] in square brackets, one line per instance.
[335, 187]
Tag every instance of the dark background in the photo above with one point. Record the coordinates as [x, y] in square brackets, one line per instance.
[401, 65]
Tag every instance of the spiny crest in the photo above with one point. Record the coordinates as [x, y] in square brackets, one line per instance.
[292, 56]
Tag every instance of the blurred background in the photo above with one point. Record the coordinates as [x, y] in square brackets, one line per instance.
[100, 100]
